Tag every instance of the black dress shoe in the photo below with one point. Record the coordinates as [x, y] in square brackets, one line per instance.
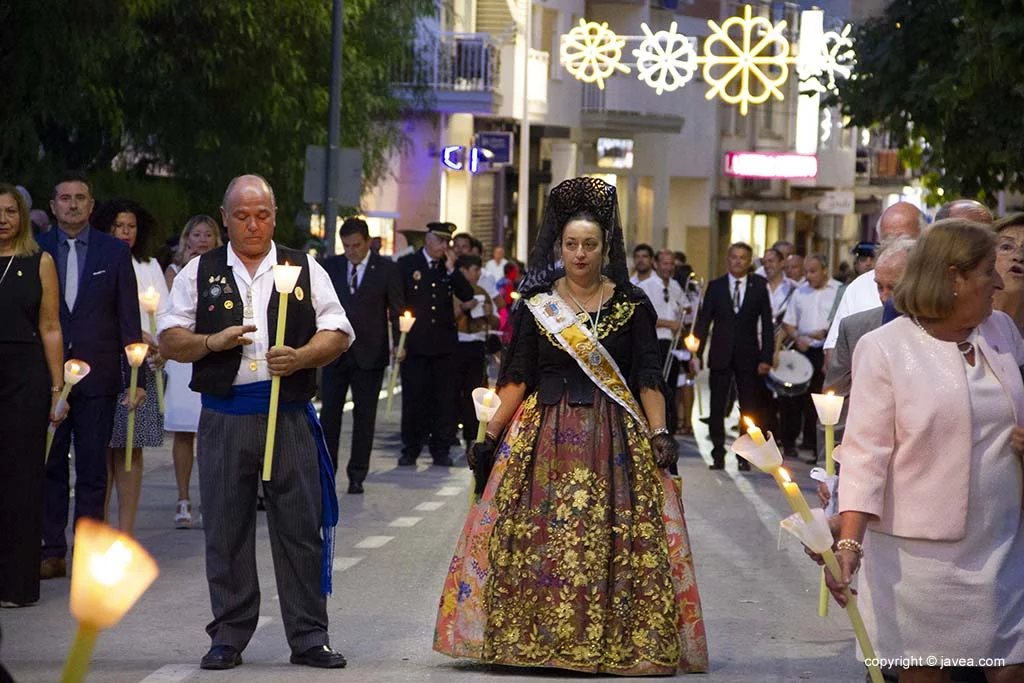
[406, 461]
[742, 465]
[443, 462]
[321, 657]
[221, 657]
[355, 487]
[717, 465]
[790, 452]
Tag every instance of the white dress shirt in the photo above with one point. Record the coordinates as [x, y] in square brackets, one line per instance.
[859, 295]
[656, 289]
[779, 294]
[185, 295]
[495, 269]
[732, 289]
[809, 308]
[360, 269]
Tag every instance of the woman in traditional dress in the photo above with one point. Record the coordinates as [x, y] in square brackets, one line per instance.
[199, 236]
[577, 556]
[932, 484]
[31, 379]
[130, 223]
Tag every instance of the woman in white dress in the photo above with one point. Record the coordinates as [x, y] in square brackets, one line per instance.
[200, 235]
[932, 482]
[132, 224]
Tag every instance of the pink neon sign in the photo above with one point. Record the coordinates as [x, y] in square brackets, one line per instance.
[770, 165]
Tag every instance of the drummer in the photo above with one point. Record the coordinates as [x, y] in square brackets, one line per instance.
[806, 325]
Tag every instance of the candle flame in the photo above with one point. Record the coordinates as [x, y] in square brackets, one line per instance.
[75, 368]
[830, 393]
[110, 567]
[750, 423]
[407, 315]
[785, 475]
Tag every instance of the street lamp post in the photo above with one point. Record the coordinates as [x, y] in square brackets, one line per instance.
[523, 208]
[333, 128]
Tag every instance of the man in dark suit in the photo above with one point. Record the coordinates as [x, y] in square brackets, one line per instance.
[430, 280]
[99, 316]
[733, 306]
[369, 287]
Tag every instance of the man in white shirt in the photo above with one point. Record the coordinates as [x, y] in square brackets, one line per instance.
[806, 322]
[669, 302]
[900, 219]
[496, 266]
[793, 267]
[780, 287]
[782, 247]
[643, 263]
[222, 310]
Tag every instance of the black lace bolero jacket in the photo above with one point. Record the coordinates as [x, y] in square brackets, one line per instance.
[626, 329]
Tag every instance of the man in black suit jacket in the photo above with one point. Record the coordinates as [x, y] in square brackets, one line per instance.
[369, 287]
[733, 306]
[99, 316]
[428, 389]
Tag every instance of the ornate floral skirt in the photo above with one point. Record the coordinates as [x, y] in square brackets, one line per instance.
[577, 554]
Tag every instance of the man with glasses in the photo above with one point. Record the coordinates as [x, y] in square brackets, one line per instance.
[669, 303]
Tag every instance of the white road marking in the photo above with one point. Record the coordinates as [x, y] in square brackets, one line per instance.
[171, 673]
[263, 621]
[429, 506]
[343, 563]
[450, 491]
[406, 521]
[373, 541]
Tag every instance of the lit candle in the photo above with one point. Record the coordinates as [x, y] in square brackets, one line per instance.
[150, 300]
[111, 571]
[798, 503]
[285, 277]
[484, 415]
[692, 344]
[74, 372]
[405, 323]
[136, 356]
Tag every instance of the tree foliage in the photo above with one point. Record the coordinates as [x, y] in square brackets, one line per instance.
[946, 79]
[206, 90]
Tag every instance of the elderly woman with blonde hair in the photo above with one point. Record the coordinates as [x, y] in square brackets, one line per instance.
[932, 485]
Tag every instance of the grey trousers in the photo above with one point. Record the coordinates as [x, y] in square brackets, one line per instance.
[230, 468]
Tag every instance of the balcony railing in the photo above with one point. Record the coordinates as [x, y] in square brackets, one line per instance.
[453, 61]
[627, 102]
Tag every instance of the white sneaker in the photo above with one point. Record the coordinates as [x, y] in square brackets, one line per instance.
[183, 517]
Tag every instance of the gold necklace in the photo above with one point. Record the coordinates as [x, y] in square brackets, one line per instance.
[583, 316]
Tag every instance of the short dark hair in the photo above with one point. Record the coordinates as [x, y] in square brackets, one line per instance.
[474, 243]
[71, 177]
[463, 235]
[468, 261]
[354, 226]
[773, 250]
[643, 247]
[740, 245]
[679, 256]
[105, 215]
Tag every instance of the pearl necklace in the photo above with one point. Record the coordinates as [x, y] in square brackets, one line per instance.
[965, 347]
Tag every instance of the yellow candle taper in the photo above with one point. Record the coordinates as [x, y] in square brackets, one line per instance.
[150, 300]
[405, 323]
[74, 372]
[481, 430]
[136, 356]
[798, 503]
[829, 408]
[692, 344]
[285, 277]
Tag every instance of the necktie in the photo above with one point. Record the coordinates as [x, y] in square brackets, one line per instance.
[736, 297]
[71, 275]
[438, 265]
[354, 284]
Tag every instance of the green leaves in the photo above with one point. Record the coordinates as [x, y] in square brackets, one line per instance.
[949, 74]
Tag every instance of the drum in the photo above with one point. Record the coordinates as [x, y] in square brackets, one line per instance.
[792, 376]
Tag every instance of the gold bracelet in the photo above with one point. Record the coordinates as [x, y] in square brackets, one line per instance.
[56, 390]
[850, 544]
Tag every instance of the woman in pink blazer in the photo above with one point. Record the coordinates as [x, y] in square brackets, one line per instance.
[932, 483]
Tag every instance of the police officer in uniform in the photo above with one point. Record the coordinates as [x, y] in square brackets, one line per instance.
[428, 390]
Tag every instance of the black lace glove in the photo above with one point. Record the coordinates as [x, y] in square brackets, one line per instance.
[666, 449]
[481, 459]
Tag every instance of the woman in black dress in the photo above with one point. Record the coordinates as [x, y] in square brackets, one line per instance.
[31, 345]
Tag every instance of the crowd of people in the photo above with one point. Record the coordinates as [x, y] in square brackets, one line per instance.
[575, 554]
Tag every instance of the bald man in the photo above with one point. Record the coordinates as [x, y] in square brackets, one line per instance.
[968, 209]
[902, 219]
[222, 309]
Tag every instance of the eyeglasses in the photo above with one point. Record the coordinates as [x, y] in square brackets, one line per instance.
[665, 291]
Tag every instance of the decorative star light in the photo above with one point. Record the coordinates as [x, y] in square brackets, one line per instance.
[665, 60]
[747, 63]
[592, 52]
[838, 57]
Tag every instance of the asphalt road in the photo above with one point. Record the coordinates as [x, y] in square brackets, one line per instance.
[394, 545]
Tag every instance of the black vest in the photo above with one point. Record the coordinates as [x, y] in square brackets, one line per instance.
[219, 306]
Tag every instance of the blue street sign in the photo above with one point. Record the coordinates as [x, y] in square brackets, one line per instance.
[498, 144]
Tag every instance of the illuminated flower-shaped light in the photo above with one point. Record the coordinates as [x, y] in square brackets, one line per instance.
[665, 60]
[838, 57]
[592, 52]
[748, 64]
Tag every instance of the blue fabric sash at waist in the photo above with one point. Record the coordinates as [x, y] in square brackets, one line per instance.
[254, 399]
